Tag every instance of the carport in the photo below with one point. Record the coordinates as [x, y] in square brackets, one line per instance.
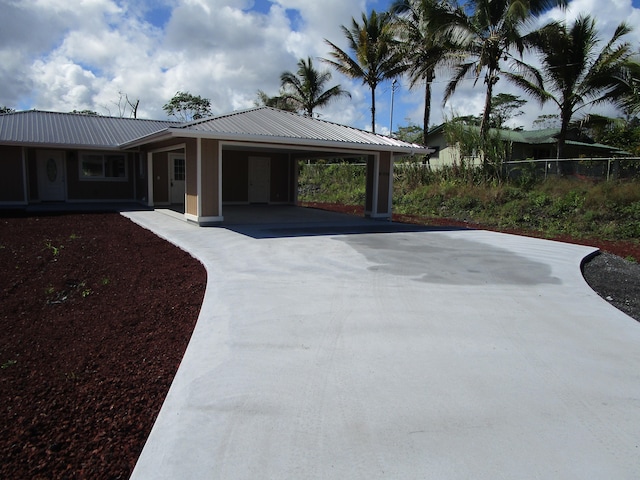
[250, 157]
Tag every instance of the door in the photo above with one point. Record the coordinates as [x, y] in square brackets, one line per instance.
[51, 175]
[259, 179]
[177, 172]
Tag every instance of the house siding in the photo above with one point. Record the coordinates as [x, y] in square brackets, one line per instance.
[210, 178]
[384, 173]
[32, 175]
[235, 177]
[12, 182]
[160, 178]
[282, 179]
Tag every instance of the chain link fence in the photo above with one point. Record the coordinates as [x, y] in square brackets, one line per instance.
[595, 168]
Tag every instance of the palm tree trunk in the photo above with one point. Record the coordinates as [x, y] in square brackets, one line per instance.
[373, 109]
[484, 126]
[427, 107]
[563, 168]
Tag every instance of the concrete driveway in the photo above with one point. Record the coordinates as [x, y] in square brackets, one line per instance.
[342, 349]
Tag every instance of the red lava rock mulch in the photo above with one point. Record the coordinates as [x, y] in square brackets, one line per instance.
[96, 314]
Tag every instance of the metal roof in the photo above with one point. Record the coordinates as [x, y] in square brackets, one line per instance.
[261, 124]
[271, 122]
[71, 129]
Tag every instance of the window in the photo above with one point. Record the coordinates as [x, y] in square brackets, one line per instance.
[178, 168]
[99, 166]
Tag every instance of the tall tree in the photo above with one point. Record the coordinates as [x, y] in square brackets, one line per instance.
[505, 106]
[186, 107]
[423, 45]
[278, 102]
[576, 74]
[305, 89]
[491, 32]
[376, 54]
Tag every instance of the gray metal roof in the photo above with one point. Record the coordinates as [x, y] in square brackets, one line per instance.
[272, 123]
[69, 129]
[261, 124]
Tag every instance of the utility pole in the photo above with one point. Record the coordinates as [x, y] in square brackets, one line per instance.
[393, 91]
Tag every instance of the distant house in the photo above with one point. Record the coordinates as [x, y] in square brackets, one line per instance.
[244, 157]
[523, 144]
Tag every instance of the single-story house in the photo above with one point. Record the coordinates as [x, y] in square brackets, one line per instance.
[523, 145]
[245, 157]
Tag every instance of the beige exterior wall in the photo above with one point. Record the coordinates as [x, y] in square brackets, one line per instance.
[191, 178]
[384, 187]
[210, 169]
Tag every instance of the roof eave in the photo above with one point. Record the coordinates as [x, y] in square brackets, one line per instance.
[72, 146]
[301, 142]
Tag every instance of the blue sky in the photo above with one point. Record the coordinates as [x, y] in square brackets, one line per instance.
[60, 55]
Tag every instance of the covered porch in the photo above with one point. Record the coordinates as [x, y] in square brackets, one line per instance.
[204, 179]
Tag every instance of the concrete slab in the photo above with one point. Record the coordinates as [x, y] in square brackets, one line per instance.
[407, 354]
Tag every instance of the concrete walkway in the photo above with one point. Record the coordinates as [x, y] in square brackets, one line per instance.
[326, 352]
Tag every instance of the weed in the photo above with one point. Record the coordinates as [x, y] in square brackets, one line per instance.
[49, 290]
[631, 259]
[105, 281]
[8, 363]
[73, 236]
[55, 250]
[86, 292]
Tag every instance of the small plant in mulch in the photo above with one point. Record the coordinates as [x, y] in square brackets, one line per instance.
[8, 363]
[52, 248]
[71, 288]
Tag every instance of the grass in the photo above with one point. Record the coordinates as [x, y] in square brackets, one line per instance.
[609, 210]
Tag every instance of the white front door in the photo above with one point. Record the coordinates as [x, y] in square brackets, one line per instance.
[50, 175]
[259, 179]
[177, 174]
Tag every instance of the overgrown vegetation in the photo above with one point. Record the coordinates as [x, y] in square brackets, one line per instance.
[609, 210]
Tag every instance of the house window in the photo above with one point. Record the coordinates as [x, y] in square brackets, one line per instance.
[103, 166]
[178, 169]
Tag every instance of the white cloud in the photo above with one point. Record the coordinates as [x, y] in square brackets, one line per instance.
[61, 55]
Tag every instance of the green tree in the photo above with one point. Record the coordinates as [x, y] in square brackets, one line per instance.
[576, 74]
[505, 106]
[305, 89]
[409, 133]
[376, 54]
[278, 102]
[491, 32]
[551, 120]
[424, 47]
[186, 107]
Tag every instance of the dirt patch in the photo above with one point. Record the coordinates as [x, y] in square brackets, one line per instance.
[96, 316]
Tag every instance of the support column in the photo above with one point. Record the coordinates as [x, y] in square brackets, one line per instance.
[150, 179]
[208, 182]
[385, 185]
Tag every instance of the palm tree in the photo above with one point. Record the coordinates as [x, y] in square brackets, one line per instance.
[305, 88]
[425, 48]
[275, 102]
[575, 74]
[490, 33]
[377, 57]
